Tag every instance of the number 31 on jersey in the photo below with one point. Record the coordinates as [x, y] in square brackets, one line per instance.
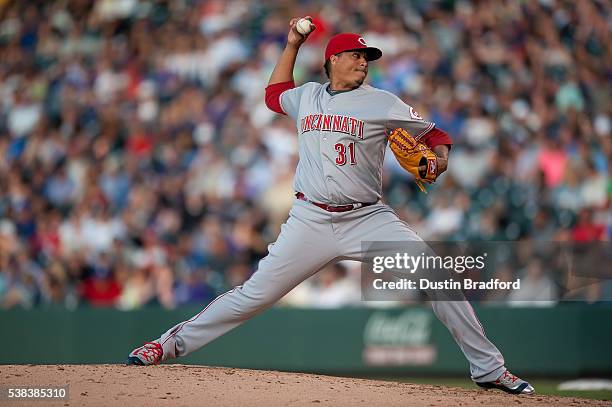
[343, 157]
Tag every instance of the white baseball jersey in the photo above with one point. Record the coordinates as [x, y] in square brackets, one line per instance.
[342, 139]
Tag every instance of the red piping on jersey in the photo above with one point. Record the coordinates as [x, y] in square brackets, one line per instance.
[273, 93]
[435, 137]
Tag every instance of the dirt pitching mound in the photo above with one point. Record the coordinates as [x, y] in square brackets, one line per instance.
[183, 385]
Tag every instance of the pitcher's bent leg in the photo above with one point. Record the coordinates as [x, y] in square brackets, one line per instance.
[303, 247]
[486, 361]
[380, 224]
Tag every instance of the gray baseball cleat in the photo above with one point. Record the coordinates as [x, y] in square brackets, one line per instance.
[509, 383]
[151, 353]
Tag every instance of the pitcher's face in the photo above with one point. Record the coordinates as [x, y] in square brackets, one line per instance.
[350, 67]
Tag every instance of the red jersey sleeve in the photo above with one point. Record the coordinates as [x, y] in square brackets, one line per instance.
[273, 93]
[435, 137]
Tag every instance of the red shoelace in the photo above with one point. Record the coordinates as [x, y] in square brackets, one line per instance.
[509, 376]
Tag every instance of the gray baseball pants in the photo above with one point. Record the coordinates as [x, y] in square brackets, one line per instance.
[311, 239]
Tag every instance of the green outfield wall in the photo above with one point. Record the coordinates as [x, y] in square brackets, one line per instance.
[572, 339]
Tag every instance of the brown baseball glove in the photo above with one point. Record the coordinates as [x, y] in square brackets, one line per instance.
[412, 154]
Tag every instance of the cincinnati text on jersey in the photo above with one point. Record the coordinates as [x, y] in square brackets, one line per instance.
[334, 123]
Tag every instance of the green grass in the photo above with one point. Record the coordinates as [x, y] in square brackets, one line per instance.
[542, 386]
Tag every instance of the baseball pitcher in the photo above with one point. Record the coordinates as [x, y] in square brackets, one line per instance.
[343, 129]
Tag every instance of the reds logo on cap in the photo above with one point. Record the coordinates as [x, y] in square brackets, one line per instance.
[349, 42]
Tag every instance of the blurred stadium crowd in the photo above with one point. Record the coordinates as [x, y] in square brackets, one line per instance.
[139, 164]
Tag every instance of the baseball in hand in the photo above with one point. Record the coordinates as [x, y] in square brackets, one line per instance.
[303, 26]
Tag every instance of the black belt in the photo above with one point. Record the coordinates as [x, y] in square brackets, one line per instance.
[330, 208]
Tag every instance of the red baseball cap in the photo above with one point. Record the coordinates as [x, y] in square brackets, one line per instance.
[349, 42]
